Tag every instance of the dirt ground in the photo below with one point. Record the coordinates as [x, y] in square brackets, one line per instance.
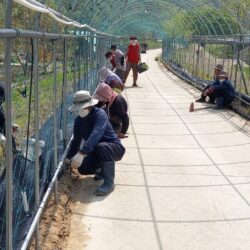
[57, 224]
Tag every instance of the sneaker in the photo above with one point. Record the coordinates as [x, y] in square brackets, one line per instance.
[135, 85]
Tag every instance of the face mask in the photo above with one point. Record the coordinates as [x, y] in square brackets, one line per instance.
[133, 42]
[83, 112]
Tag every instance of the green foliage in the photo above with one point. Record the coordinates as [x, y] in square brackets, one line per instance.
[45, 98]
[203, 21]
[220, 51]
[246, 71]
[240, 11]
[2, 6]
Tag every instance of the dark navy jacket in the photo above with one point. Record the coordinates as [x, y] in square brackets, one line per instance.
[227, 87]
[94, 128]
[215, 82]
[2, 120]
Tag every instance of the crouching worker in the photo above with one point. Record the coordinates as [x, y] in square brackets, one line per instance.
[113, 80]
[116, 107]
[217, 70]
[94, 144]
[222, 93]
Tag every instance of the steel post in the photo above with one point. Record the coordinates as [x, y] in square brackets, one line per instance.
[36, 123]
[65, 88]
[55, 116]
[8, 130]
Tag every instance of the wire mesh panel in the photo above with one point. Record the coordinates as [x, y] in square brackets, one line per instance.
[64, 66]
[46, 69]
[204, 52]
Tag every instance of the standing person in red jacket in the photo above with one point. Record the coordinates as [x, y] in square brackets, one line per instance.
[133, 58]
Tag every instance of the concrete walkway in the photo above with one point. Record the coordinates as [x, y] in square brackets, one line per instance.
[184, 182]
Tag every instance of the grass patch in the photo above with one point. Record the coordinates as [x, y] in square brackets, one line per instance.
[20, 103]
[247, 72]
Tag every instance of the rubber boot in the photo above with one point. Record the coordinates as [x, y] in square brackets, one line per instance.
[219, 103]
[98, 175]
[108, 173]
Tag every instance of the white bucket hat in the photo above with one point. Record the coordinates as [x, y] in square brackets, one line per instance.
[104, 72]
[81, 100]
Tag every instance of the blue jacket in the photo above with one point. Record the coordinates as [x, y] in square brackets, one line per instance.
[94, 128]
[215, 82]
[227, 87]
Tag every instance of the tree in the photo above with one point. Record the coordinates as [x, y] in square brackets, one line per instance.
[203, 21]
[239, 9]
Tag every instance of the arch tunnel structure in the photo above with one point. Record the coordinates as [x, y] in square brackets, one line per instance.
[51, 48]
[128, 17]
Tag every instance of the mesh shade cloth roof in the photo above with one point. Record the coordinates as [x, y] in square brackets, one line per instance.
[138, 16]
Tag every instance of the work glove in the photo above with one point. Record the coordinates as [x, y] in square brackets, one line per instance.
[77, 160]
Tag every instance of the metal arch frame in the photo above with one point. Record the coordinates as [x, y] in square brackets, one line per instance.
[215, 19]
[224, 19]
[132, 21]
[154, 15]
[162, 3]
[186, 25]
[196, 15]
[182, 5]
[149, 5]
[117, 14]
[191, 8]
[117, 22]
[228, 10]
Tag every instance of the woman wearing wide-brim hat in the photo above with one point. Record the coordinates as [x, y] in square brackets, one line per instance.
[94, 145]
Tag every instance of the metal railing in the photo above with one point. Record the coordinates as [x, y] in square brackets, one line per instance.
[193, 60]
[54, 66]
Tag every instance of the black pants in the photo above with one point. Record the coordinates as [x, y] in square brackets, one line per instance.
[103, 152]
[116, 123]
[218, 93]
[120, 73]
[132, 66]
